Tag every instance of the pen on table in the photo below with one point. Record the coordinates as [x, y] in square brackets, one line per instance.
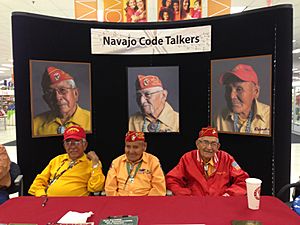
[44, 201]
[116, 217]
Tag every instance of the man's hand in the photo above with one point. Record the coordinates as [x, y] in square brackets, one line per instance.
[93, 157]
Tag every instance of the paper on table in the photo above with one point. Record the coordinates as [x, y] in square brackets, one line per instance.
[75, 217]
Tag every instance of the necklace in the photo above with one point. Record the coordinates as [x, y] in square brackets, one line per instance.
[130, 167]
[57, 176]
[61, 129]
[236, 119]
[152, 126]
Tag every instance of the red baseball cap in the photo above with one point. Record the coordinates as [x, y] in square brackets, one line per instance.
[74, 132]
[241, 71]
[208, 131]
[148, 81]
[133, 136]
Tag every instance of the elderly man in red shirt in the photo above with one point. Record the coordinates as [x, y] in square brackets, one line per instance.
[207, 170]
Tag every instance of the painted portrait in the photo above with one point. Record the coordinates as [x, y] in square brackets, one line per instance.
[153, 99]
[60, 96]
[241, 95]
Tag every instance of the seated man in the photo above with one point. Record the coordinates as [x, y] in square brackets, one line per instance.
[5, 179]
[207, 171]
[71, 174]
[135, 173]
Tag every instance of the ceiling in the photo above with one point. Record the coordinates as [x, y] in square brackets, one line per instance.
[65, 9]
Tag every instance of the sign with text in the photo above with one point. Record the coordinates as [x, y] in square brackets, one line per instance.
[165, 41]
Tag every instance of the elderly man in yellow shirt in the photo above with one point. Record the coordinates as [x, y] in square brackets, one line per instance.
[135, 173]
[61, 95]
[72, 174]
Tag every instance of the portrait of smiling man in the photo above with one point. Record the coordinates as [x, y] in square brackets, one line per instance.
[155, 112]
[61, 94]
[243, 112]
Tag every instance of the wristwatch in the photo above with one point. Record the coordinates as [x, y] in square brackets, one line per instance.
[96, 165]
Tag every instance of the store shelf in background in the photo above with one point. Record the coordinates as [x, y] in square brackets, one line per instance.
[11, 118]
[7, 100]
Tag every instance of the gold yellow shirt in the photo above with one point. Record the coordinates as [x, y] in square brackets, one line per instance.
[149, 179]
[169, 121]
[47, 124]
[80, 180]
[260, 124]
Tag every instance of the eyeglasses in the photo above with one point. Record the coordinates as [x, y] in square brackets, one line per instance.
[73, 142]
[213, 144]
[60, 91]
[146, 95]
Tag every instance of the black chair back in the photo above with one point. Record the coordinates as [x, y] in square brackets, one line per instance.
[14, 171]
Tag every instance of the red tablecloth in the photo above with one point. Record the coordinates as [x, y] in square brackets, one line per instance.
[150, 210]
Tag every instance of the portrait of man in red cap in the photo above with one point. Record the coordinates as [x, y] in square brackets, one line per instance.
[60, 91]
[155, 112]
[242, 82]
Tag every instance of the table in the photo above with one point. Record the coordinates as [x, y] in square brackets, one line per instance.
[150, 210]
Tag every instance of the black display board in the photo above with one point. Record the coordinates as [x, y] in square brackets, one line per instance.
[258, 32]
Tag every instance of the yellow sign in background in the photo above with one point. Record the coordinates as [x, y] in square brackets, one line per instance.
[218, 7]
[113, 10]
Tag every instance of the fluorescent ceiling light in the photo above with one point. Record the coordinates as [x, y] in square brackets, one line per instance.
[8, 65]
[1, 72]
[294, 41]
[294, 69]
[297, 50]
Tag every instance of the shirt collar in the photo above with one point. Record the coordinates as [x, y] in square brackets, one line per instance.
[144, 158]
[257, 112]
[81, 159]
[76, 118]
[213, 161]
[164, 116]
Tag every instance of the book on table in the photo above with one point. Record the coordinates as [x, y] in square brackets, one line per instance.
[246, 222]
[120, 220]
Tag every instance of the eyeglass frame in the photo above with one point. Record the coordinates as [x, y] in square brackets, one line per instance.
[146, 95]
[206, 143]
[60, 91]
[70, 142]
